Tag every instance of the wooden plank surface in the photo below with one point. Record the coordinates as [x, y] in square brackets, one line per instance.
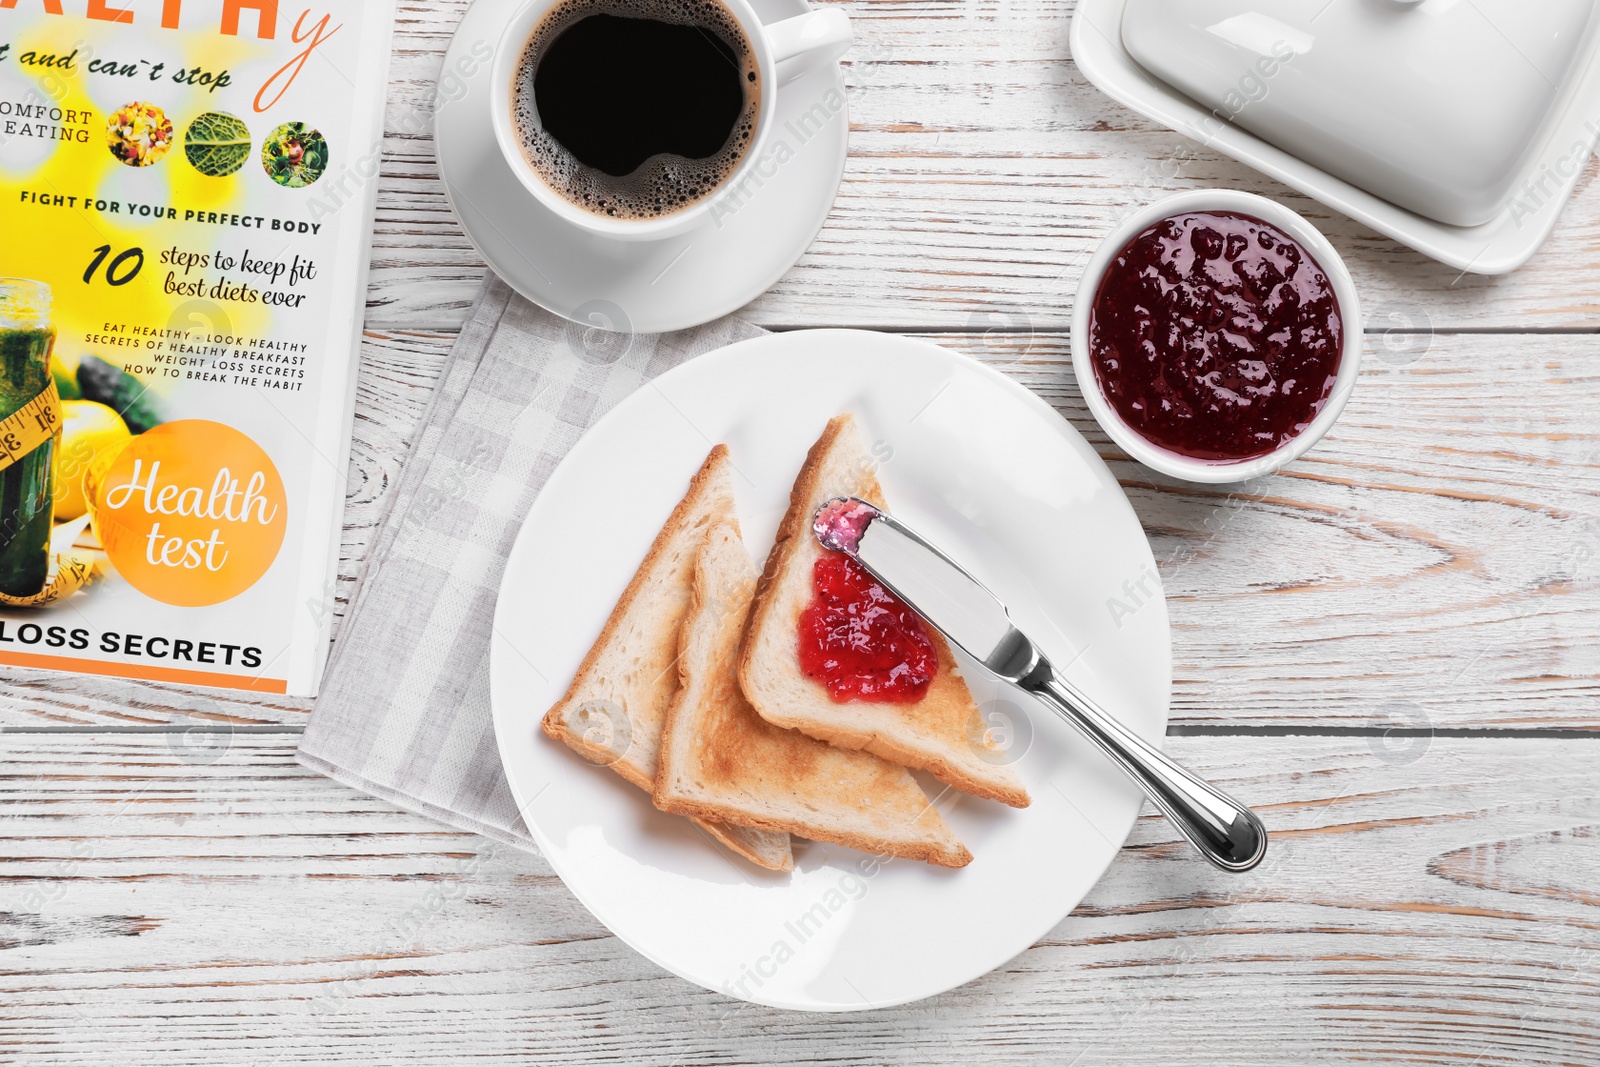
[1437, 557]
[1433, 902]
[983, 170]
[1418, 595]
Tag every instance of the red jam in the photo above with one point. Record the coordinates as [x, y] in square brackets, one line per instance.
[1216, 335]
[860, 640]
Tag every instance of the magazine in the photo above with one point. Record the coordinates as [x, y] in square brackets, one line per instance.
[186, 196]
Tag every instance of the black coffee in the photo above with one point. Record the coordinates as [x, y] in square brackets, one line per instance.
[635, 109]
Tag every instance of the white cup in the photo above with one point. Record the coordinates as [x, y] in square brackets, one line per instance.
[783, 51]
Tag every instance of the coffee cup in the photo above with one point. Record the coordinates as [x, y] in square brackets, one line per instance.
[777, 54]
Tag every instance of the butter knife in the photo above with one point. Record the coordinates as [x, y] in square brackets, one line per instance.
[959, 606]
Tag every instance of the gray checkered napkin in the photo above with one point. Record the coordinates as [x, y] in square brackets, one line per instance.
[404, 708]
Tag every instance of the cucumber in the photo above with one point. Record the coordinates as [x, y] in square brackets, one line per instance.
[120, 391]
[66, 382]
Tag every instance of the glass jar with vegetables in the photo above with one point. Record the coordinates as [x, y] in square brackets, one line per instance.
[27, 485]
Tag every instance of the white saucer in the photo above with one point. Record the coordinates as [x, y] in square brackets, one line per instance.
[1502, 244]
[630, 286]
[977, 463]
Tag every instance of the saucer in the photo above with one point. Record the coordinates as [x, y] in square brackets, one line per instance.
[639, 286]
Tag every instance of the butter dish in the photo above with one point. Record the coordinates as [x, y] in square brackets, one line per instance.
[1457, 128]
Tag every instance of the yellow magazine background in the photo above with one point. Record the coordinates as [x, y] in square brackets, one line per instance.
[62, 244]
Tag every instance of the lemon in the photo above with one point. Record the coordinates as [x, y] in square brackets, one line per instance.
[91, 436]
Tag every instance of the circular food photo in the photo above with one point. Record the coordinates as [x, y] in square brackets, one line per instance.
[217, 144]
[139, 133]
[294, 155]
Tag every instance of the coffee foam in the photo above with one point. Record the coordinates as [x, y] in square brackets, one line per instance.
[664, 183]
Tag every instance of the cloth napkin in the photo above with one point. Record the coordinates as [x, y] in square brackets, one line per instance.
[404, 707]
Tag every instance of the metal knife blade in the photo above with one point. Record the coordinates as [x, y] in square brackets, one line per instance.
[959, 606]
[931, 583]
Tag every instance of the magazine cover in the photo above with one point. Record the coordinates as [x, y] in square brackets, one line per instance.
[186, 192]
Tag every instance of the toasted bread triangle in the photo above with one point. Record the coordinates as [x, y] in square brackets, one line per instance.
[942, 733]
[613, 712]
[720, 760]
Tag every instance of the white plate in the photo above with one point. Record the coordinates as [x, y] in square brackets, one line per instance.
[986, 469]
[1495, 247]
[635, 286]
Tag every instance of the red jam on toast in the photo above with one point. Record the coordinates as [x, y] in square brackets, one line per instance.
[860, 640]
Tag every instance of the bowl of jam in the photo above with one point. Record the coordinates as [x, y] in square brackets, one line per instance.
[1216, 336]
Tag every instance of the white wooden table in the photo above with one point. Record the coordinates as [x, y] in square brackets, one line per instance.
[1392, 650]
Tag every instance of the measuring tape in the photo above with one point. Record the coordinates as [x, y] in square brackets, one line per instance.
[31, 426]
[70, 571]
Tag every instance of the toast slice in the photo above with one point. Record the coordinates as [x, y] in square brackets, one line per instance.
[613, 711]
[720, 760]
[941, 733]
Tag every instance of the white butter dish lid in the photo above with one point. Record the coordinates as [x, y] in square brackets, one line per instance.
[1436, 106]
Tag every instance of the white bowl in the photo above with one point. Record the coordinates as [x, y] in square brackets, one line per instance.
[1187, 467]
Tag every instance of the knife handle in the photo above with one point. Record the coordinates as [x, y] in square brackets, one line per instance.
[1224, 831]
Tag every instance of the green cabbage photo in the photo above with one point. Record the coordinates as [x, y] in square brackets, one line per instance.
[217, 144]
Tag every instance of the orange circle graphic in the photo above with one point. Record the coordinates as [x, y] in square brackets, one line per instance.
[191, 513]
